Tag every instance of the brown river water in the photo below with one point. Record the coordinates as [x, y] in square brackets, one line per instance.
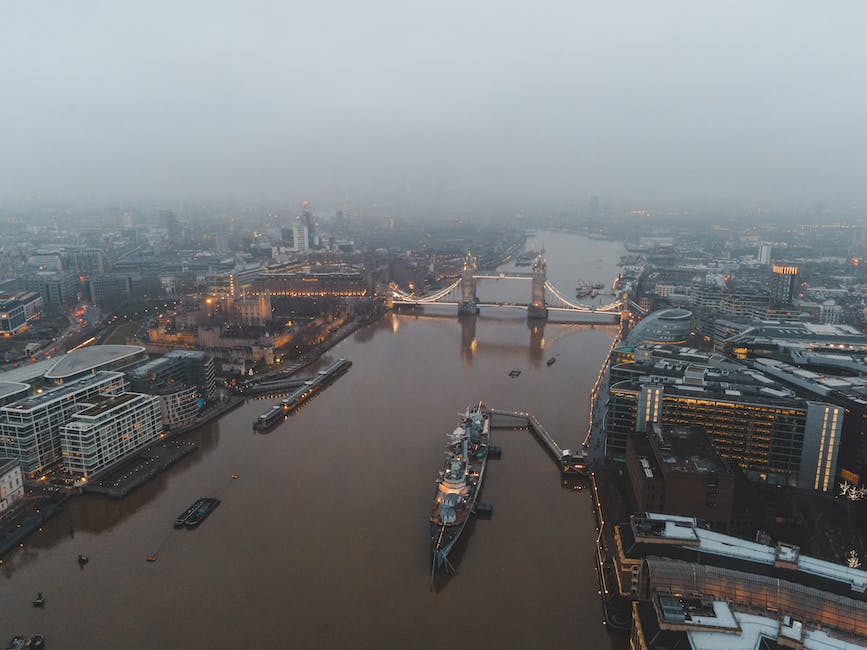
[322, 541]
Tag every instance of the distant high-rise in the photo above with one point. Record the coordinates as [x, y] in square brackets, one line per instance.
[784, 284]
[764, 253]
[307, 222]
[301, 238]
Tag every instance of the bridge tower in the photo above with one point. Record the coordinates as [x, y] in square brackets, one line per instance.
[468, 301]
[389, 296]
[538, 307]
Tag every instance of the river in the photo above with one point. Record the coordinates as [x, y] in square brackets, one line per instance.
[322, 541]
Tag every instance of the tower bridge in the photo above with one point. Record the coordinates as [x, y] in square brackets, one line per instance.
[462, 294]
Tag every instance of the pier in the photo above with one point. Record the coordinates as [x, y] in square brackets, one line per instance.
[569, 462]
[300, 395]
[532, 423]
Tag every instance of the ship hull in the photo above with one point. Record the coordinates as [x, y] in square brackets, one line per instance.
[444, 534]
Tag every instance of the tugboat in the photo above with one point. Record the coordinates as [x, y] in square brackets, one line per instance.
[35, 642]
[39, 601]
[459, 482]
[83, 559]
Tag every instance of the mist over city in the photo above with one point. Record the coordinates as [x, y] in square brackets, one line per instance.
[392, 107]
[449, 325]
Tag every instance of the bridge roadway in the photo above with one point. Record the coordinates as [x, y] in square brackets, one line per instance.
[533, 424]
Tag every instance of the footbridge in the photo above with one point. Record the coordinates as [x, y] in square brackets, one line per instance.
[546, 301]
[570, 462]
[530, 421]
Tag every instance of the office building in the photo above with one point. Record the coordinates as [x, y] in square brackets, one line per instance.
[677, 470]
[102, 289]
[57, 288]
[108, 430]
[764, 255]
[784, 284]
[301, 238]
[177, 368]
[18, 310]
[92, 359]
[777, 338]
[30, 427]
[699, 589]
[774, 436]
[349, 284]
[671, 326]
[179, 405]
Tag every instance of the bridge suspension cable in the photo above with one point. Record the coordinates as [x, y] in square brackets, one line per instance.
[601, 308]
[433, 297]
[635, 306]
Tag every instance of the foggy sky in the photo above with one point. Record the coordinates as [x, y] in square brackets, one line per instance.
[500, 103]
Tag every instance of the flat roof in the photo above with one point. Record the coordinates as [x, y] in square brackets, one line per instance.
[752, 628]
[687, 529]
[10, 388]
[101, 404]
[41, 399]
[89, 358]
[8, 464]
[27, 372]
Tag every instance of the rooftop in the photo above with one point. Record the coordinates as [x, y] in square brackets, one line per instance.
[688, 531]
[12, 388]
[103, 403]
[687, 449]
[8, 464]
[90, 358]
[41, 399]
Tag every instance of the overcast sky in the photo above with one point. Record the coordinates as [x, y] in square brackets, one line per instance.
[503, 103]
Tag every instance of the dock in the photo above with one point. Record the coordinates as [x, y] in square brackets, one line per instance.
[304, 392]
[568, 461]
[532, 423]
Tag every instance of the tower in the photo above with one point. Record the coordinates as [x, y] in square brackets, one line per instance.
[538, 308]
[468, 286]
[764, 253]
[784, 284]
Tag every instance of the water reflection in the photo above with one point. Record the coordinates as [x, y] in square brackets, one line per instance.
[537, 341]
[469, 344]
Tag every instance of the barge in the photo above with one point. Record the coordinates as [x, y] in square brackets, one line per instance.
[197, 513]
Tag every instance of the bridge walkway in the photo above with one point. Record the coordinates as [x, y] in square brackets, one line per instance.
[533, 424]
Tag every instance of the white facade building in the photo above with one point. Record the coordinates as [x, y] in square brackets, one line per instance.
[109, 430]
[300, 235]
[30, 427]
[11, 484]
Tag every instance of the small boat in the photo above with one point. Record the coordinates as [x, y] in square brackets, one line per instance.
[551, 361]
[151, 558]
[35, 642]
[186, 514]
[83, 559]
[39, 601]
[236, 476]
[515, 373]
[17, 643]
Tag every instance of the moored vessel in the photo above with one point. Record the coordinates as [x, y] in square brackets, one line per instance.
[186, 514]
[201, 513]
[460, 482]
